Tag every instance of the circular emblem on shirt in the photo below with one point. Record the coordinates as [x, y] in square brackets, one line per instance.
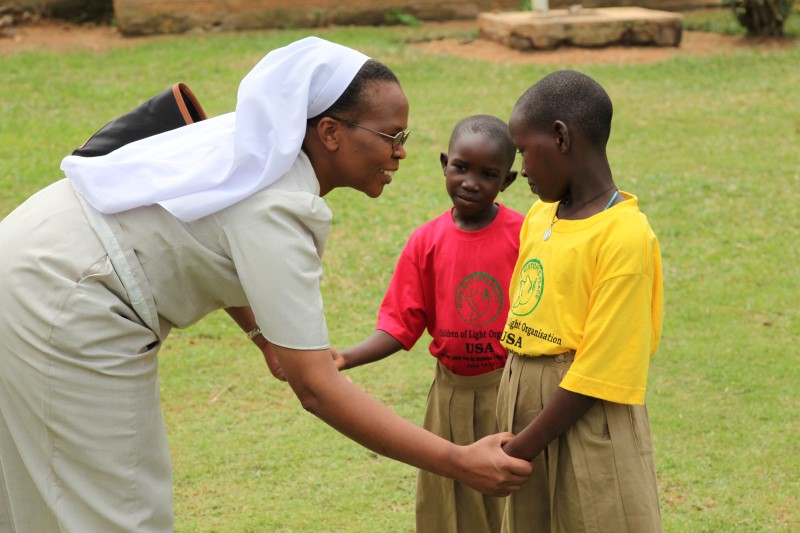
[530, 286]
[479, 298]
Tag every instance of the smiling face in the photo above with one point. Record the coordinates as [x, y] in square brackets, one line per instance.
[542, 158]
[476, 169]
[368, 160]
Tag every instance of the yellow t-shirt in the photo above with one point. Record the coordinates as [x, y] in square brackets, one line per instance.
[595, 287]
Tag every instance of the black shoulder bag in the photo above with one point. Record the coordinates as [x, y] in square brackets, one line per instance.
[169, 109]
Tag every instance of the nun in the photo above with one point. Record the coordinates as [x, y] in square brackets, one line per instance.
[225, 213]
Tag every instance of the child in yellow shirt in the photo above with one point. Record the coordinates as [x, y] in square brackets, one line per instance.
[585, 319]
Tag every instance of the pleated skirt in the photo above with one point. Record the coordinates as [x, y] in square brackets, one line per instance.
[599, 476]
[462, 410]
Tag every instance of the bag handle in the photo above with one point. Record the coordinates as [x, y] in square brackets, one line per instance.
[169, 109]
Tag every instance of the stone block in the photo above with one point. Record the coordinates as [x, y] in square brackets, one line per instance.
[526, 30]
[142, 17]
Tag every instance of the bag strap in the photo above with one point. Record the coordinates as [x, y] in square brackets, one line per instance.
[187, 103]
[172, 108]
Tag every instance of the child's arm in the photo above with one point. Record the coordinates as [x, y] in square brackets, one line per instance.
[374, 348]
[563, 410]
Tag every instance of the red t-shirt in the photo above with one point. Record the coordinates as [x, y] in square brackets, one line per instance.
[455, 283]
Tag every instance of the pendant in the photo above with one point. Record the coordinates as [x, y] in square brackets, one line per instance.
[547, 234]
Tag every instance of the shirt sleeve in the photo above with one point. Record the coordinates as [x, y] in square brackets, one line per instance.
[277, 251]
[402, 313]
[623, 325]
[613, 359]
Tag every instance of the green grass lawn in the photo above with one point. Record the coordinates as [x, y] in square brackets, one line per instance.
[710, 145]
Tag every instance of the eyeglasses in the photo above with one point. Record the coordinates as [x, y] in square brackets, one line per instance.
[397, 140]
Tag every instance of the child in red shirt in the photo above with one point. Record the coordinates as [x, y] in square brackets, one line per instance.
[452, 279]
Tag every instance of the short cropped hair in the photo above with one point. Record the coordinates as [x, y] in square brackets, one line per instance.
[352, 99]
[490, 126]
[571, 97]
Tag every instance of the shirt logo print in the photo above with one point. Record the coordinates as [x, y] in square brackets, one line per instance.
[529, 288]
[479, 299]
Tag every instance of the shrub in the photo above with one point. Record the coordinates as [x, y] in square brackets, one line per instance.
[762, 18]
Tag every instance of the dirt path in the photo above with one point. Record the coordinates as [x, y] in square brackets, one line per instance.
[61, 36]
[52, 35]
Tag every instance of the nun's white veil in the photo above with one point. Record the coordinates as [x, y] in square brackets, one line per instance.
[201, 168]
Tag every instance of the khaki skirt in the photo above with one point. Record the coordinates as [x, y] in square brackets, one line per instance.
[460, 409]
[599, 476]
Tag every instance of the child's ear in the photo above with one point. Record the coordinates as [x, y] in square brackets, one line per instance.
[512, 175]
[443, 160]
[561, 136]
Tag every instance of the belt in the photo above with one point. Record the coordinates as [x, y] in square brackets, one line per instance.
[559, 358]
[563, 357]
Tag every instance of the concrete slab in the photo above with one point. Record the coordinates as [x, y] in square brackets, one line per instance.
[576, 26]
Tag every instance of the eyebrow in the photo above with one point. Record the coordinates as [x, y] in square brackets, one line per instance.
[498, 168]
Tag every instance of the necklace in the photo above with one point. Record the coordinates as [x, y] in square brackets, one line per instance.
[549, 230]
